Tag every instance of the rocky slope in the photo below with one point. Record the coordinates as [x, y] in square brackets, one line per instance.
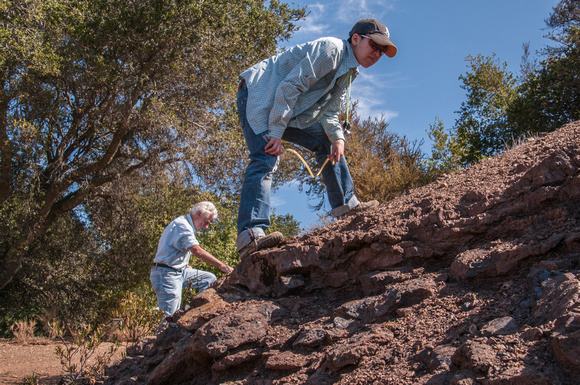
[473, 279]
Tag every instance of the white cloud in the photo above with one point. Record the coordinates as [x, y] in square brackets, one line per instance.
[279, 196]
[349, 11]
[336, 18]
[277, 200]
[369, 108]
[369, 90]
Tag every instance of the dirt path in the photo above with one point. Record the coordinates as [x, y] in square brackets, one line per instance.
[18, 362]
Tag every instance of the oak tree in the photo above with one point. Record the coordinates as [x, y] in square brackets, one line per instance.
[94, 91]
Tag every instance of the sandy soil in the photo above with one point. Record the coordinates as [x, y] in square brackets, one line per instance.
[19, 362]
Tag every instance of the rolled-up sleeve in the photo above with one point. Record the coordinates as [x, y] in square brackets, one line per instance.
[330, 122]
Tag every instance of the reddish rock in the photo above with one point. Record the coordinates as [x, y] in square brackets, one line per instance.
[177, 367]
[560, 296]
[237, 359]
[429, 288]
[311, 338]
[474, 356]
[567, 349]
[500, 326]
[195, 318]
[234, 329]
[377, 282]
[344, 355]
[287, 361]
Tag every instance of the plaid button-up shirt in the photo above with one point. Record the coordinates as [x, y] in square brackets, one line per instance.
[301, 86]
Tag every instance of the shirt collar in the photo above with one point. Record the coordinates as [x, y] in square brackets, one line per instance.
[350, 61]
[190, 221]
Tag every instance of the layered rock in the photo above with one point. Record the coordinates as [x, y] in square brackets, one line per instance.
[472, 279]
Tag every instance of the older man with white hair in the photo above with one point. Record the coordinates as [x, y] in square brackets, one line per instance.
[170, 272]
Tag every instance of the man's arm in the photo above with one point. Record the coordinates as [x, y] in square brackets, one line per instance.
[333, 128]
[200, 253]
[329, 118]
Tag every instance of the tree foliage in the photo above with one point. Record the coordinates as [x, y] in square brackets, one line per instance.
[95, 91]
[550, 96]
[93, 257]
[481, 128]
[447, 152]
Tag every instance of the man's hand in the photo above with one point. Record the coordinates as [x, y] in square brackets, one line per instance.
[337, 151]
[226, 269]
[274, 147]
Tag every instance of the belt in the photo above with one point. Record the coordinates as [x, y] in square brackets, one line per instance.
[167, 266]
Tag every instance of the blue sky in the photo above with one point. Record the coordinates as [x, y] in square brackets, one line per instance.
[422, 82]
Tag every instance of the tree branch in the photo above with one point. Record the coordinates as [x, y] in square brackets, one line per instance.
[5, 151]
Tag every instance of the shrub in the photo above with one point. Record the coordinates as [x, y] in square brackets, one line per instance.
[76, 354]
[136, 317]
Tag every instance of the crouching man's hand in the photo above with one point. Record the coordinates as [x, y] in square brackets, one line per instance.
[226, 269]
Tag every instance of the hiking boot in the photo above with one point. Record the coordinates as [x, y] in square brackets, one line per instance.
[362, 206]
[261, 243]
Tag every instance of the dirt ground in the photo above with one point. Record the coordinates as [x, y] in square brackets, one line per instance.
[19, 362]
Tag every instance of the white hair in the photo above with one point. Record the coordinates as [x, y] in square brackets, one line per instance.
[207, 209]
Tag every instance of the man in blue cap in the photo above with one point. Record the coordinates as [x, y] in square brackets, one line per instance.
[297, 96]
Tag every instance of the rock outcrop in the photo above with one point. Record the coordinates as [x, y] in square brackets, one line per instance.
[473, 279]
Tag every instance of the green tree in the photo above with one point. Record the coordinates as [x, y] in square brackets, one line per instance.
[446, 152]
[548, 96]
[482, 129]
[95, 91]
[286, 224]
[501, 109]
[61, 281]
[102, 251]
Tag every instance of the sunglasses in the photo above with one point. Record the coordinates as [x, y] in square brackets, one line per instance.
[374, 45]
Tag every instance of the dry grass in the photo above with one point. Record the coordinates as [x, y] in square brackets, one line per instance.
[23, 332]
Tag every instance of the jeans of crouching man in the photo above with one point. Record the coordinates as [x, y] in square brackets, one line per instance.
[169, 283]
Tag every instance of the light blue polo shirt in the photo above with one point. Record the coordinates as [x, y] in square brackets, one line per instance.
[174, 244]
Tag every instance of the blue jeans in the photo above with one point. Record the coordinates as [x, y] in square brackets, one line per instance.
[169, 283]
[254, 212]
